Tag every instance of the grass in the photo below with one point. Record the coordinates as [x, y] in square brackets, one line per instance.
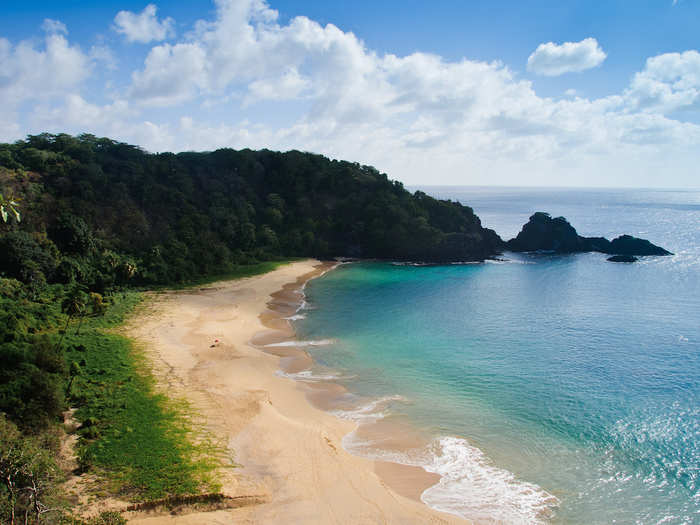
[143, 444]
[138, 438]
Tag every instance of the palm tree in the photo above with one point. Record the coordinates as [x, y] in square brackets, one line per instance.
[73, 304]
[8, 205]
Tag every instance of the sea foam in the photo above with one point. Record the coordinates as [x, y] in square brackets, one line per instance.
[470, 485]
[372, 410]
[308, 375]
[320, 342]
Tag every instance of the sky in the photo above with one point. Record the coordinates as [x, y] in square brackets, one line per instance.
[449, 92]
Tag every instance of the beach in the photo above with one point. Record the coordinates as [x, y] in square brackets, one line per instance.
[207, 346]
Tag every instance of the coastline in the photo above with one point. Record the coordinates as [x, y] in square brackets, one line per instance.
[288, 453]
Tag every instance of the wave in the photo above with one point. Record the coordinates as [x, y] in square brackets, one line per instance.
[369, 411]
[470, 485]
[408, 263]
[308, 375]
[295, 317]
[423, 264]
[507, 261]
[320, 342]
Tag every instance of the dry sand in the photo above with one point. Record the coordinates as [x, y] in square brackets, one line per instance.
[289, 452]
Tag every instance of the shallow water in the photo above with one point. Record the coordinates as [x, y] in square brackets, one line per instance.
[551, 388]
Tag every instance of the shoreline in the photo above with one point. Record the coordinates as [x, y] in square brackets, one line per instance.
[325, 393]
[287, 452]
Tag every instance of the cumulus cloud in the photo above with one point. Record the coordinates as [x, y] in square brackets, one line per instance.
[145, 26]
[28, 71]
[172, 74]
[104, 55]
[286, 85]
[390, 110]
[76, 112]
[668, 82]
[54, 26]
[552, 59]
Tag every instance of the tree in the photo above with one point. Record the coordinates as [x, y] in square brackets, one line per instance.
[75, 371]
[28, 475]
[73, 304]
[72, 234]
[24, 254]
[97, 304]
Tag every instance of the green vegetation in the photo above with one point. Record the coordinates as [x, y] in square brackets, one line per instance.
[29, 475]
[139, 441]
[101, 219]
[139, 437]
[8, 208]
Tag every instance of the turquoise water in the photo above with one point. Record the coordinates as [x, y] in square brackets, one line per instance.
[555, 388]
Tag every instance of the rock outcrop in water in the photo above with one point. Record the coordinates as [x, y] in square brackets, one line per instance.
[623, 258]
[628, 245]
[544, 233]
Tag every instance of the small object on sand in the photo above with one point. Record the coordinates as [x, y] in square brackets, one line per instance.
[216, 343]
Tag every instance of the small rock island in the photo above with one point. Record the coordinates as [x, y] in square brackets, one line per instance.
[544, 233]
[622, 258]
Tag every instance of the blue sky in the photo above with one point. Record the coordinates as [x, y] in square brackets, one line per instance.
[573, 93]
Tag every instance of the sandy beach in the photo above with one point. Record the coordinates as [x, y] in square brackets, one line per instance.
[290, 462]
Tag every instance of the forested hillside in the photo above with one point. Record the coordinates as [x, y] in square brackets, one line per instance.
[102, 212]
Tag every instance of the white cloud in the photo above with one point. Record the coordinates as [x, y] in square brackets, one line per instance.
[289, 84]
[76, 112]
[104, 55]
[552, 59]
[396, 112]
[668, 82]
[145, 26]
[30, 72]
[54, 26]
[172, 74]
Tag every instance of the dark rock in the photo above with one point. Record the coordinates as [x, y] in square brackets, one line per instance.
[623, 258]
[597, 244]
[628, 245]
[543, 233]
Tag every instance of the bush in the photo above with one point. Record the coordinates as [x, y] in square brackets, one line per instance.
[24, 256]
[29, 474]
[107, 518]
[32, 378]
[72, 235]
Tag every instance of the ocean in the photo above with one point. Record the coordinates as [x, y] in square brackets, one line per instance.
[544, 388]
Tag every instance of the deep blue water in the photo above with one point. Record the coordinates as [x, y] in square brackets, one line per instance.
[556, 388]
